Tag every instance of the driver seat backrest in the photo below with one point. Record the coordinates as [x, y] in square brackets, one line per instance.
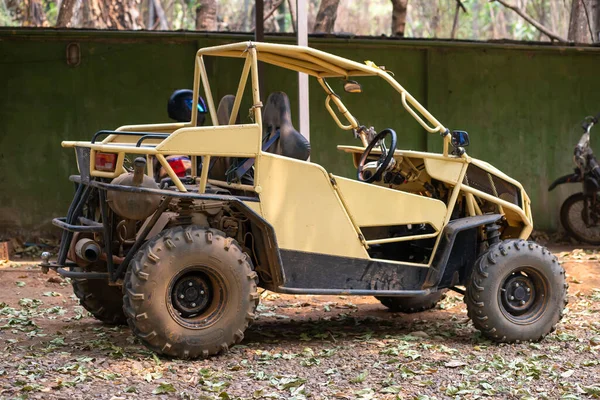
[222, 164]
[225, 108]
[277, 116]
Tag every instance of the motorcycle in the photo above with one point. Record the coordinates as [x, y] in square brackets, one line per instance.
[580, 213]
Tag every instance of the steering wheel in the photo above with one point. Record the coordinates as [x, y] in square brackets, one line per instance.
[384, 160]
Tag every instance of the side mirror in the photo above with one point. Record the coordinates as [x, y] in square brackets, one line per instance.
[460, 139]
[352, 87]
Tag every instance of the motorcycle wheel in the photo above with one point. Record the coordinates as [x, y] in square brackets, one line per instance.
[572, 218]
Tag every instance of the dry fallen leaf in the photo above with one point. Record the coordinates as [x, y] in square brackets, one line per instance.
[455, 364]
[567, 374]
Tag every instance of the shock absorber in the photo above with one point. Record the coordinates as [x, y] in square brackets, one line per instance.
[492, 233]
[185, 211]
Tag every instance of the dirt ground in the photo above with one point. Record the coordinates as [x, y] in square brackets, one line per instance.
[299, 347]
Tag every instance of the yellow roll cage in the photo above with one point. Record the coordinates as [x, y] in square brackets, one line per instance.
[315, 63]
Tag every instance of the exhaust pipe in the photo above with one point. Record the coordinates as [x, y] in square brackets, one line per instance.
[88, 250]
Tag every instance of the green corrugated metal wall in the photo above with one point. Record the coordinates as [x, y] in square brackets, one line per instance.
[519, 104]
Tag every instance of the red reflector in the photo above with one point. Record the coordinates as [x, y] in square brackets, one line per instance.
[106, 162]
[180, 165]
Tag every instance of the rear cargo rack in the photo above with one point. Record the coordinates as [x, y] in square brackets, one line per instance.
[127, 133]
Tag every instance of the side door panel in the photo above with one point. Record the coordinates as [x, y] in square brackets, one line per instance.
[299, 201]
[370, 205]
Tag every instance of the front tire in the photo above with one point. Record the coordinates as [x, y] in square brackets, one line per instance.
[410, 305]
[190, 293]
[517, 292]
[572, 213]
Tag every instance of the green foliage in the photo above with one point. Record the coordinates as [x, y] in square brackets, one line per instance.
[51, 9]
[6, 17]
[164, 388]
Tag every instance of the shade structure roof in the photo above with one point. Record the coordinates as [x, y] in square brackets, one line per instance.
[311, 61]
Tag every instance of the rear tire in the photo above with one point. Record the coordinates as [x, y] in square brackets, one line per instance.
[571, 218]
[414, 304]
[517, 292]
[190, 293]
[103, 301]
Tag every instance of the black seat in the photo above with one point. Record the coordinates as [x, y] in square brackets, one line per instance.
[224, 110]
[221, 165]
[277, 116]
[284, 139]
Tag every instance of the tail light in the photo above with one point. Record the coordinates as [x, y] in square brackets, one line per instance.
[180, 165]
[106, 162]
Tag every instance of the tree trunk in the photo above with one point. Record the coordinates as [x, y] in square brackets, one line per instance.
[581, 23]
[27, 13]
[245, 17]
[206, 15]
[399, 17]
[292, 18]
[113, 14]
[151, 17]
[595, 18]
[67, 7]
[159, 13]
[326, 16]
[502, 24]
[542, 17]
[86, 14]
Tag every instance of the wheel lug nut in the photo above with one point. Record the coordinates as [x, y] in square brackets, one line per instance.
[512, 297]
[202, 292]
[190, 284]
[181, 296]
[517, 284]
[522, 302]
[193, 304]
[528, 290]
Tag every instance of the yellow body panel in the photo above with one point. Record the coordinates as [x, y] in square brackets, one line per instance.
[443, 170]
[229, 140]
[299, 201]
[447, 168]
[372, 205]
[254, 206]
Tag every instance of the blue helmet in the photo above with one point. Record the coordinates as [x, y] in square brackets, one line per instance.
[180, 106]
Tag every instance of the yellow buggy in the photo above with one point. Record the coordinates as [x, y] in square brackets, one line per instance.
[180, 260]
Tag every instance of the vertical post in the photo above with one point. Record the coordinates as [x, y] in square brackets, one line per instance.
[255, 76]
[259, 23]
[302, 18]
[259, 32]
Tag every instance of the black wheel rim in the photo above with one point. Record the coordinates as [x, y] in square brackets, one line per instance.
[196, 297]
[523, 295]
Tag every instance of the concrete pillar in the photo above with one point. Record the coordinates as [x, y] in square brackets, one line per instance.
[302, 18]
